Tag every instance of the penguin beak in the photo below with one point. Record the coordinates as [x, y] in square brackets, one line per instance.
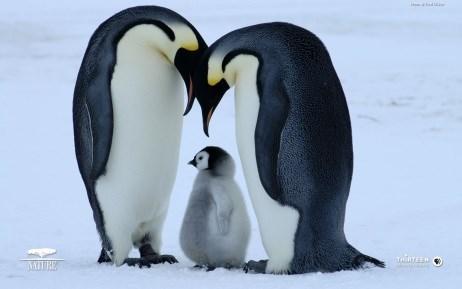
[209, 101]
[192, 162]
[206, 117]
[190, 103]
[190, 96]
[186, 62]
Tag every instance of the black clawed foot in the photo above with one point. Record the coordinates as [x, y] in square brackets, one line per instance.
[207, 268]
[147, 261]
[103, 257]
[210, 268]
[256, 266]
[149, 255]
[140, 262]
[157, 259]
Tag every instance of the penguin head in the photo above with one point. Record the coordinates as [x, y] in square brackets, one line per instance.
[214, 159]
[215, 74]
[175, 39]
[188, 47]
[208, 93]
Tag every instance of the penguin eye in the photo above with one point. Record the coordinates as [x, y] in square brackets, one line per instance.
[200, 158]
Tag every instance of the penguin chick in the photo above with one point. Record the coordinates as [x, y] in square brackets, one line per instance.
[216, 228]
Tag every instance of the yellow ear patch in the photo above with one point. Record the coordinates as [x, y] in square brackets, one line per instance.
[214, 74]
[213, 78]
[184, 36]
[191, 45]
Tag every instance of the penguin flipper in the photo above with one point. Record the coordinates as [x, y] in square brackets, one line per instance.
[271, 120]
[224, 208]
[83, 138]
[101, 119]
[93, 105]
[84, 150]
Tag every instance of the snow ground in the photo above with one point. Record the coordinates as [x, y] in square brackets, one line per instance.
[400, 70]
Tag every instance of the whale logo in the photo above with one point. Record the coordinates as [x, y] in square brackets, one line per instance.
[42, 262]
[41, 252]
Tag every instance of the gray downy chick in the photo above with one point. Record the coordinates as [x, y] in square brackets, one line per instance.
[216, 228]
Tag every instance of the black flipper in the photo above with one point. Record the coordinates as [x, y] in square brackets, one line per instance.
[84, 151]
[93, 92]
[271, 120]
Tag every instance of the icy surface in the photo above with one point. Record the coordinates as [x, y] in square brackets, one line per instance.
[400, 68]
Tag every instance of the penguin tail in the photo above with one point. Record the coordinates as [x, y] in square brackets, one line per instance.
[361, 261]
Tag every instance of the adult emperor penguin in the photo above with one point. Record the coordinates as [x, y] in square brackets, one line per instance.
[127, 109]
[294, 140]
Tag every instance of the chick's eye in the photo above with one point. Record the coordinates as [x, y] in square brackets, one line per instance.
[200, 158]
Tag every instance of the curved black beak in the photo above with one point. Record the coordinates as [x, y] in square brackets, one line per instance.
[209, 97]
[190, 96]
[192, 162]
[206, 116]
[186, 62]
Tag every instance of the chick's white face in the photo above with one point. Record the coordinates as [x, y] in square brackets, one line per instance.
[202, 160]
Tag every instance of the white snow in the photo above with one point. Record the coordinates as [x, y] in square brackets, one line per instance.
[400, 68]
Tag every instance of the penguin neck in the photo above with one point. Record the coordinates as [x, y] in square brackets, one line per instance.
[223, 170]
[241, 69]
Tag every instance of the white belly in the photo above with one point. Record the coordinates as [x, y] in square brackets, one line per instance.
[277, 223]
[147, 100]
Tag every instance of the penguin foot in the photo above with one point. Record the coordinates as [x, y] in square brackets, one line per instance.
[148, 254]
[136, 262]
[256, 266]
[157, 259]
[147, 261]
[103, 257]
[207, 268]
[210, 268]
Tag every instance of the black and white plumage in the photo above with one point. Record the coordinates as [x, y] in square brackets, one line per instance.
[294, 138]
[216, 227]
[127, 111]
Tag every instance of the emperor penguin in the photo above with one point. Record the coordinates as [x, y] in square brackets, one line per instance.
[294, 138]
[127, 112]
[216, 227]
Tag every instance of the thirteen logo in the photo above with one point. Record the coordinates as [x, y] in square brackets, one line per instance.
[437, 261]
[419, 261]
[42, 263]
